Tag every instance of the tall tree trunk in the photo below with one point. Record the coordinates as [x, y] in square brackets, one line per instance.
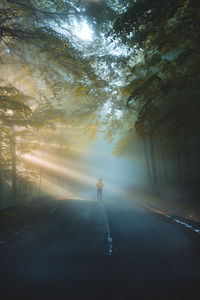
[41, 173]
[179, 116]
[153, 163]
[1, 177]
[178, 154]
[60, 178]
[152, 150]
[13, 164]
[166, 177]
[148, 164]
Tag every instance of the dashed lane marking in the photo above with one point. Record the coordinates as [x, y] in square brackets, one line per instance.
[109, 237]
[184, 224]
[197, 230]
[53, 210]
[21, 230]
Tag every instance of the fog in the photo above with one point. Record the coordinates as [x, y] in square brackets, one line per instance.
[94, 94]
[74, 176]
[117, 173]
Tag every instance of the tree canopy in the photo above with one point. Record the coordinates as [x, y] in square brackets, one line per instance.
[128, 68]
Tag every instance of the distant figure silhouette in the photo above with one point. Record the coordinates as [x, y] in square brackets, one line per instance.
[99, 189]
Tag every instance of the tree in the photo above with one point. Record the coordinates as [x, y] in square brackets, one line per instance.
[163, 74]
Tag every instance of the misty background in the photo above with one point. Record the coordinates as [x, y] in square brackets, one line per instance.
[99, 89]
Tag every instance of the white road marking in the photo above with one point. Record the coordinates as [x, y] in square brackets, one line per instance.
[196, 230]
[176, 220]
[109, 237]
[183, 223]
[52, 211]
[168, 216]
[26, 227]
[21, 230]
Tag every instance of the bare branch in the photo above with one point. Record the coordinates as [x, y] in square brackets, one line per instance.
[59, 14]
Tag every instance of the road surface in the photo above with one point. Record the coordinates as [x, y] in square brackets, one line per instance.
[109, 250]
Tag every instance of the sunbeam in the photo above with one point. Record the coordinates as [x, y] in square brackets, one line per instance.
[78, 176]
[59, 169]
[49, 187]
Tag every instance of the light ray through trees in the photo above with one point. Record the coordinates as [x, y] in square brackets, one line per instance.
[69, 169]
[137, 77]
[59, 169]
[52, 189]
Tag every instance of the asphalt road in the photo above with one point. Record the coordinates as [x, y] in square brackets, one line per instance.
[109, 250]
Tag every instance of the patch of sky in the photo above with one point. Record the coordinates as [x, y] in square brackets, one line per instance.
[118, 82]
[81, 34]
[108, 109]
[75, 6]
[114, 47]
[119, 6]
[118, 113]
[102, 69]
[136, 59]
[81, 30]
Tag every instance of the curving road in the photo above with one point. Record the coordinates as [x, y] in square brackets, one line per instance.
[109, 250]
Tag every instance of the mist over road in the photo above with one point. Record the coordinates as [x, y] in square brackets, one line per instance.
[92, 250]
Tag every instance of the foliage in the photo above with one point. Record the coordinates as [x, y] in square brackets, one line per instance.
[162, 87]
[138, 76]
[166, 35]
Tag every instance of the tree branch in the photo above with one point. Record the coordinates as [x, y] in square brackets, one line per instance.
[43, 11]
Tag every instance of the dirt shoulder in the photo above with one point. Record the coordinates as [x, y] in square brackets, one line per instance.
[16, 218]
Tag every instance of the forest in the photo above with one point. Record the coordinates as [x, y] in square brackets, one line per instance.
[71, 71]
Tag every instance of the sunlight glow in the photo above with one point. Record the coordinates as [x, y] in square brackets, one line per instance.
[71, 164]
[57, 191]
[59, 169]
[83, 31]
[107, 107]
[70, 172]
[118, 113]
[75, 29]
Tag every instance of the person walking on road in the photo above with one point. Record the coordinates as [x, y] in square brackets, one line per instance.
[99, 189]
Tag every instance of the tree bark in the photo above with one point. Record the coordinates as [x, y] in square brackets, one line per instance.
[1, 175]
[59, 178]
[153, 164]
[166, 177]
[13, 164]
[41, 174]
[148, 164]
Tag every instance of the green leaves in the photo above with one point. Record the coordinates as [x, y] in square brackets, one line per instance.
[166, 33]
